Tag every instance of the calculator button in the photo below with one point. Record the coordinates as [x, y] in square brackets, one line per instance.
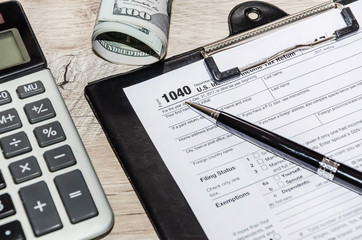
[49, 134]
[12, 231]
[30, 89]
[2, 181]
[59, 158]
[25, 169]
[15, 145]
[6, 206]
[39, 111]
[40, 208]
[9, 120]
[76, 197]
[4, 97]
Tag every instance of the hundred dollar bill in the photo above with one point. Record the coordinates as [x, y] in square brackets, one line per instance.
[132, 32]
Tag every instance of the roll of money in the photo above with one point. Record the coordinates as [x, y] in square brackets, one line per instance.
[133, 32]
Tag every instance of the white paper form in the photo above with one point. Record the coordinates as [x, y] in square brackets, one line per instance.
[237, 190]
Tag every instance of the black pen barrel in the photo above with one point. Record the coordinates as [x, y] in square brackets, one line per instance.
[325, 167]
[271, 142]
[292, 151]
[349, 177]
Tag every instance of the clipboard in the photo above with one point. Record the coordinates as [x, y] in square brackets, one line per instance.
[166, 206]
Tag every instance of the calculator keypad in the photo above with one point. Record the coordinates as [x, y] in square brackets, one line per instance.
[15, 144]
[38, 159]
[25, 169]
[59, 158]
[6, 206]
[75, 196]
[30, 89]
[39, 111]
[9, 120]
[11, 231]
[40, 208]
[2, 181]
[36, 198]
[4, 97]
[49, 134]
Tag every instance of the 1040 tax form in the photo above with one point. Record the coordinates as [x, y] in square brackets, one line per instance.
[236, 190]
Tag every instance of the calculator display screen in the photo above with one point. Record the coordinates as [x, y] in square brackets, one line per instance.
[11, 52]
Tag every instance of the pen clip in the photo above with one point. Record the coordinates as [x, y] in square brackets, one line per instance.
[218, 76]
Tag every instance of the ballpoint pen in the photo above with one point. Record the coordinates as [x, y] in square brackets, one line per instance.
[307, 158]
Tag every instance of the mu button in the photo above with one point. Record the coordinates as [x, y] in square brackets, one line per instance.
[30, 89]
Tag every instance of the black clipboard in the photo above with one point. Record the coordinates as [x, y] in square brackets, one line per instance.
[159, 194]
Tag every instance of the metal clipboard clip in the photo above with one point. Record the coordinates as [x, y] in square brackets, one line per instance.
[232, 41]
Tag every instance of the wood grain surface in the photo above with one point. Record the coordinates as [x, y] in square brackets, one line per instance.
[64, 29]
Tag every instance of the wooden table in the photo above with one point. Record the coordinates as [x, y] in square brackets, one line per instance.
[64, 29]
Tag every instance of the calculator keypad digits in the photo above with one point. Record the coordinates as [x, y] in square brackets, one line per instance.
[36, 154]
[48, 187]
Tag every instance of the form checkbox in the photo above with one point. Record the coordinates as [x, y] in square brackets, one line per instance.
[264, 167]
[276, 178]
[281, 184]
[256, 155]
[277, 236]
[260, 161]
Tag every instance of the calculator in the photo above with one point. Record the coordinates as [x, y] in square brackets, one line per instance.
[48, 187]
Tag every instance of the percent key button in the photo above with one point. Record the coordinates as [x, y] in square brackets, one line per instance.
[49, 134]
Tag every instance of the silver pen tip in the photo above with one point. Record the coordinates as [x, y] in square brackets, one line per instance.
[207, 112]
[191, 104]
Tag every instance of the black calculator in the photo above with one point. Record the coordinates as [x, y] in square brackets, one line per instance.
[48, 187]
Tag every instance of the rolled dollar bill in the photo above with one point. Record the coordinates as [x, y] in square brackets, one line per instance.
[132, 32]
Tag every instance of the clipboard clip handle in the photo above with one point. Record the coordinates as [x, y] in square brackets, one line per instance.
[351, 21]
[218, 76]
